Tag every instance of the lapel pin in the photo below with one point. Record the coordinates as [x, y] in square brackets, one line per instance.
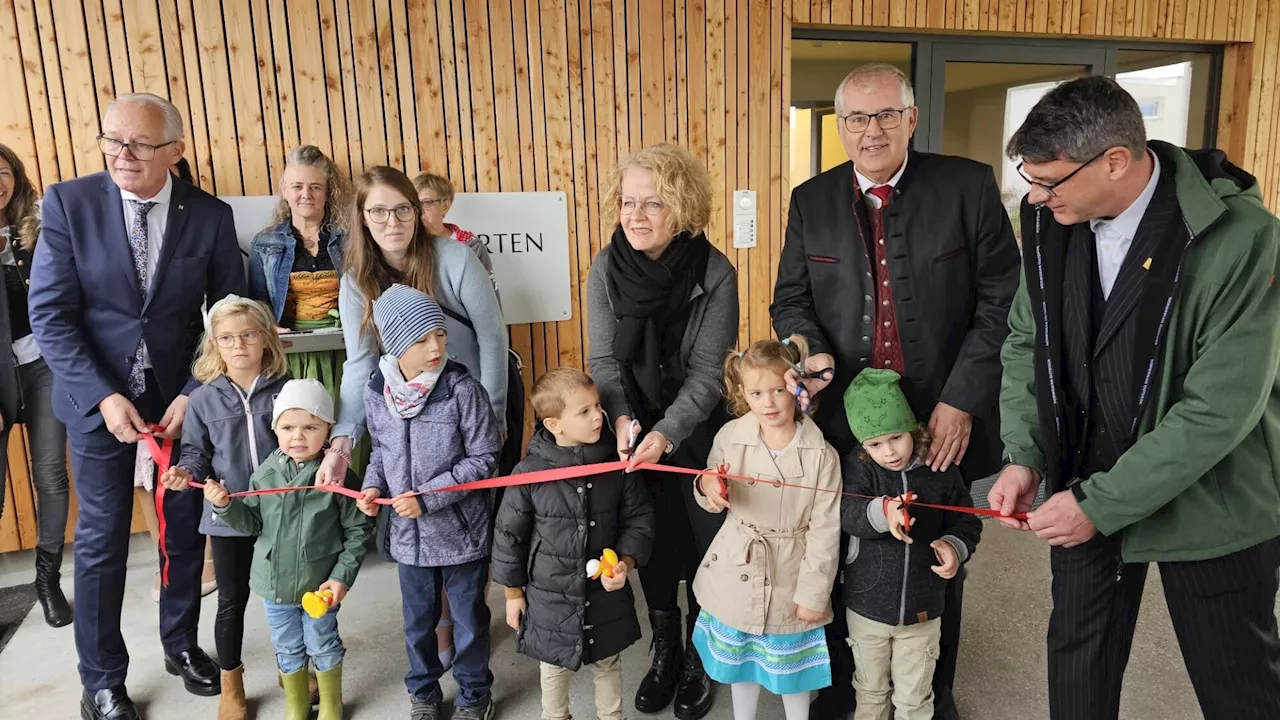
[180, 207]
[1147, 265]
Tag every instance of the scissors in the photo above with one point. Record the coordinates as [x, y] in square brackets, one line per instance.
[633, 437]
[828, 374]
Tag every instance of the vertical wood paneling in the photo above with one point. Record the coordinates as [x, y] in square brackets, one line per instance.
[528, 95]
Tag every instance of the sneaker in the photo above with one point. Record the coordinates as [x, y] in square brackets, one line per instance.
[423, 710]
[478, 712]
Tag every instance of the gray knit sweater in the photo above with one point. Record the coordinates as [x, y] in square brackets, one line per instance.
[712, 330]
[463, 285]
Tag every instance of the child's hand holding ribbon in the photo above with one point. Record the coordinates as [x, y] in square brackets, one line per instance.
[216, 494]
[900, 522]
[715, 490]
[176, 478]
[365, 502]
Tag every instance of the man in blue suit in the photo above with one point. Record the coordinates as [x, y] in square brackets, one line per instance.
[125, 261]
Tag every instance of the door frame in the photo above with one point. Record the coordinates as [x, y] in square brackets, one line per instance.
[1031, 49]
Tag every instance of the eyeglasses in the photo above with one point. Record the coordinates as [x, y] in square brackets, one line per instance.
[139, 150]
[249, 337]
[651, 208]
[429, 202]
[1048, 188]
[380, 215]
[886, 119]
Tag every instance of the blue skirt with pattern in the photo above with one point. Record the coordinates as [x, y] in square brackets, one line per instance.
[781, 664]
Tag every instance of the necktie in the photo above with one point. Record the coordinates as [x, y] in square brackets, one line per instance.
[883, 193]
[138, 245]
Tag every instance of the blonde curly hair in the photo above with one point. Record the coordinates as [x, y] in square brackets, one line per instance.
[683, 183]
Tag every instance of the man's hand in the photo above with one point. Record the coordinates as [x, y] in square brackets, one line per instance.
[515, 610]
[896, 514]
[1061, 521]
[649, 451]
[1014, 492]
[216, 494]
[338, 589]
[804, 614]
[618, 579]
[365, 503]
[950, 430]
[333, 469]
[173, 418]
[947, 556]
[176, 478]
[122, 418]
[406, 505]
[811, 386]
[715, 490]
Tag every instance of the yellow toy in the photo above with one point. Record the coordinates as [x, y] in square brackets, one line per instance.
[317, 603]
[604, 566]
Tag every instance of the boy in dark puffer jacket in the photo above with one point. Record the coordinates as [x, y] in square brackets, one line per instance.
[546, 533]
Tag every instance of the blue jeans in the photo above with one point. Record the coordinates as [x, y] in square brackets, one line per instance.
[420, 594]
[297, 635]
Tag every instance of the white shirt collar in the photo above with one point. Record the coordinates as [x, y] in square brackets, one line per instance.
[160, 198]
[865, 183]
[1126, 223]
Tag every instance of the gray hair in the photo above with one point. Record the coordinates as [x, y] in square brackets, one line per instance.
[173, 128]
[1079, 120]
[875, 71]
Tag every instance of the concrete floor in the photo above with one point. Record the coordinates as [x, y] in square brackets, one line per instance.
[1001, 676]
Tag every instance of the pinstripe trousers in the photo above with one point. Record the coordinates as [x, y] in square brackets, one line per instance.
[1223, 616]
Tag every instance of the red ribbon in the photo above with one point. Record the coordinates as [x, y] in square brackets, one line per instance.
[162, 453]
[162, 450]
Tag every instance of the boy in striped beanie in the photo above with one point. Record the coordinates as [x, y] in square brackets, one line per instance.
[433, 428]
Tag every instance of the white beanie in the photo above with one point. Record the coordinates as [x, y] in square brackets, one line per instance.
[307, 395]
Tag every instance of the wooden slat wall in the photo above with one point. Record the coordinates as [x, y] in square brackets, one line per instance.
[506, 95]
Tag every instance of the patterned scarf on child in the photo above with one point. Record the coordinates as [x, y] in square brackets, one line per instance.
[406, 398]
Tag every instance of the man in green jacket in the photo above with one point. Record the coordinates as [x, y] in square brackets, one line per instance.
[1140, 383]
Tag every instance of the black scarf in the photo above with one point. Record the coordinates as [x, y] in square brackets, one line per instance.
[651, 301]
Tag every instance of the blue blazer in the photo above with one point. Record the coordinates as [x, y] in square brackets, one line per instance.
[84, 300]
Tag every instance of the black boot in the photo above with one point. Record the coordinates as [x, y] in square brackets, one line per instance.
[658, 688]
[696, 691]
[833, 703]
[48, 590]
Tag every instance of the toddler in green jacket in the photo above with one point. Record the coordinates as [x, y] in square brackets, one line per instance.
[307, 541]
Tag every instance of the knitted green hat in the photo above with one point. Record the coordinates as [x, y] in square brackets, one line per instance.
[875, 406]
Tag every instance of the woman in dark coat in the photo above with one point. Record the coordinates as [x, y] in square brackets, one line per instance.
[26, 386]
[663, 312]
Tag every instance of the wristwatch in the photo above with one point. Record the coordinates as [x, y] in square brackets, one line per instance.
[669, 449]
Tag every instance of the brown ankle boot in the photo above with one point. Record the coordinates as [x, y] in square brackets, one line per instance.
[231, 705]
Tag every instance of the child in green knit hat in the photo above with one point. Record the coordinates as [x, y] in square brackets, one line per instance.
[894, 593]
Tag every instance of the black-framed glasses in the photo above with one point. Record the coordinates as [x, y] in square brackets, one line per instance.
[430, 202]
[1048, 188]
[249, 337]
[139, 150]
[380, 215]
[886, 119]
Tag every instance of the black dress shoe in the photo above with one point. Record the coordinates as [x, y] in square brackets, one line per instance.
[110, 704]
[200, 675]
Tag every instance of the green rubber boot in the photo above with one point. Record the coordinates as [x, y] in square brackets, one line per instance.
[330, 682]
[297, 695]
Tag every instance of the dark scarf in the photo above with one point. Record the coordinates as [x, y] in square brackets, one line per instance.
[651, 301]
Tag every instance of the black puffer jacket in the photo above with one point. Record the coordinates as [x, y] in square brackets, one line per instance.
[885, 579]
[545, 535]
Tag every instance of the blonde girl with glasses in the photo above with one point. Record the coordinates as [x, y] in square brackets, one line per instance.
[226, 436]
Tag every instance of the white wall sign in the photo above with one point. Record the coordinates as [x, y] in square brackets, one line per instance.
[527, 234]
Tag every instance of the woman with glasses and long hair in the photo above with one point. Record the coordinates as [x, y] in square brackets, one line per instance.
[663, 311]
[26, 385]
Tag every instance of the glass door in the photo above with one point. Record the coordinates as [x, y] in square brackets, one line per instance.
[979, 95]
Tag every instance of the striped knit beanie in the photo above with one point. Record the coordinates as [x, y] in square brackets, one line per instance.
[404, 316]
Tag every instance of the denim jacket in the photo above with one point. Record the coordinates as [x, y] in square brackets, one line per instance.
[271, 261]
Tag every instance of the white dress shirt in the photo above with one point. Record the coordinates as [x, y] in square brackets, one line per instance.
[1113, 237]
[865, 183]
[157, 222]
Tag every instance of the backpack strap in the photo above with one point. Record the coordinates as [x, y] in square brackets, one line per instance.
[466, 321]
